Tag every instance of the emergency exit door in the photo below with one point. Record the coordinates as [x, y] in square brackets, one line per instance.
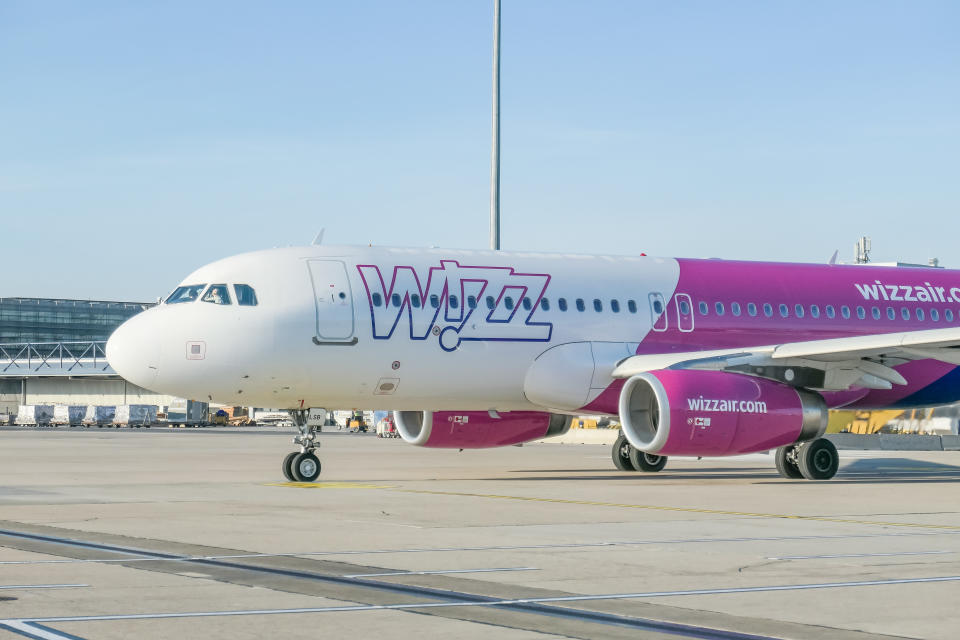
[333, 300]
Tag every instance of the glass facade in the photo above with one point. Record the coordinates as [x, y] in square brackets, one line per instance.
[49, 320]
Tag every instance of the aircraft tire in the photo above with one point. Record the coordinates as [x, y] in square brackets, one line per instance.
[785, 467]
[647, 462]
[621, 454]
[818, 459]
[288, 465]
[305, 467]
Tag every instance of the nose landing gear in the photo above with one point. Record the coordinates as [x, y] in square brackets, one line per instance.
[303, 465]
[627, 458]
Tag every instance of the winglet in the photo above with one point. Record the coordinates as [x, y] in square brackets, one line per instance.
[319, 238]
[833, 258]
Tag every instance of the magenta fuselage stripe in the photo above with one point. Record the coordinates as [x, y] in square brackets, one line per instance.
[726, 282]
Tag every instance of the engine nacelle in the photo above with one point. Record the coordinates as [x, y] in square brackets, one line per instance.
[477, 429]
[714, 413]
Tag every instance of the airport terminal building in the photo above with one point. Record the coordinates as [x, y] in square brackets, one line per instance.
[52, 353]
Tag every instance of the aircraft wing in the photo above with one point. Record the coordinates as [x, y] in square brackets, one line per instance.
[832, 364]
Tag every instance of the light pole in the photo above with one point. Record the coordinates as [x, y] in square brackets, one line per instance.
[495, 152]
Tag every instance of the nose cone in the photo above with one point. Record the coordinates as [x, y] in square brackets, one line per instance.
[133, 350]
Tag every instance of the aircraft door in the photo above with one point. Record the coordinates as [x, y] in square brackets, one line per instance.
[658, 312]
[684, 312]
[333, 299]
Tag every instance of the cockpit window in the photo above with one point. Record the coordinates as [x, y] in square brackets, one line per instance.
[246, 296]
[188, 293]
[217, 294]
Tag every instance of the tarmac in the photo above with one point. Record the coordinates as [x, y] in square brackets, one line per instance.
[191, 533]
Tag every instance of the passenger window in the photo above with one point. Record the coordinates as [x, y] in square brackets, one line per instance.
[905, 313]
[377, 299]
[188, 293]
[735, 308]
[704, 308]
[830, 312]
[246, 296]
[615, 306]
[657, 307]
[217, 294]
[814, 311]
[784, 311]
[798, 310]
[545, 304]
[845, 312]
[597, 305]
[891, 313]
[527, 304]
[395, 299]
[491, 303]
[454, 302]
[718, 307]
[875, 312]
[768, 309]
[752, 309]
[472, 302]
[861, 312]
[632, 306]
[919, 313]
[415, 299]
[509, 302]
[948, 314]
[934, 315]
[562, 303]
[684, 306]
[580, 305]
[435, 301]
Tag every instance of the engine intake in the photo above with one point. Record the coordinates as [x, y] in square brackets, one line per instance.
[715, 413]
[477, 429]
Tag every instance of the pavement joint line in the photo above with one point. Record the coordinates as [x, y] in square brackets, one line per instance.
[329, 485]
[440, 572]
[651, 507]
[484, 603]
[863, 555]
[571, 545]
[41, 586]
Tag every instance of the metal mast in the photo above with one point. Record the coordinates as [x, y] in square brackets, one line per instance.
[495, 153]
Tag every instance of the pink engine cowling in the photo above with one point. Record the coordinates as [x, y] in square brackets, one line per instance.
[477, 429]
[714, 413]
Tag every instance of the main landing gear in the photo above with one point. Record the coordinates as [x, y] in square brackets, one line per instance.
[303, 465]
[814, 460]
[628, 458]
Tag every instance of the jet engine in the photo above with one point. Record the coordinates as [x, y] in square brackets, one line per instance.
[715, 413]
[477, 429]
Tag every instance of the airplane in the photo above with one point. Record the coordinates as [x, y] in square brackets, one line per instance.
[475, 349]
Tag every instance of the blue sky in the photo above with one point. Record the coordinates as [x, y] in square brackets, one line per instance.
[141, 140]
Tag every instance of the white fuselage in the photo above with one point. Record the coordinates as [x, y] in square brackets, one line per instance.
[386, 328]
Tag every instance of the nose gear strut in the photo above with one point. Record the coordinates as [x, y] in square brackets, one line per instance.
[302, 466]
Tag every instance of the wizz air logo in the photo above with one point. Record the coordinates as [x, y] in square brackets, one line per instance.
[730, 406]
[456, 303]
[908, 292]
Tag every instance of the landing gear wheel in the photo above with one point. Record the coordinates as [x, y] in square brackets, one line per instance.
[786, 461]
[648, 462]
[621, 454]
[288, 465]
[305, 467]
[818, 459]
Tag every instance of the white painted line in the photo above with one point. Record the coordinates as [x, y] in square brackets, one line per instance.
[430, 573]
[571, 545]
[41, 586]
[491, 603]
[862, 555]
[33, 631]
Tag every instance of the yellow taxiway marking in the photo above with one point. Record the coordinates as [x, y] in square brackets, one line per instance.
[653, 507]
[329, 485]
